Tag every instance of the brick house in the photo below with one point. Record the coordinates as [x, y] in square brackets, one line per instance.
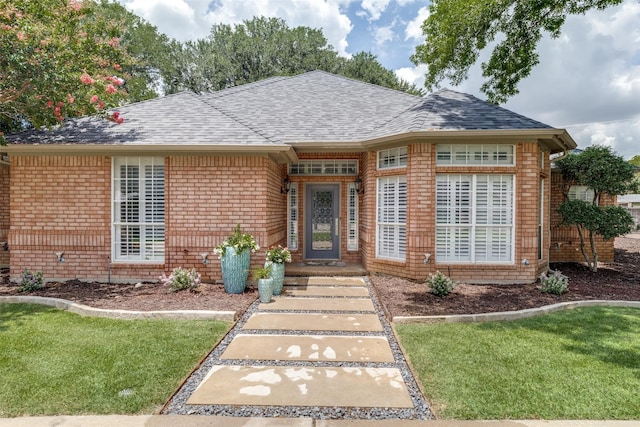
[334, 168]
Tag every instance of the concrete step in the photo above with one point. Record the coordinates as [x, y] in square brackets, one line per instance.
[318, 304]
[314, 322]
[331, 348]
[325, 291]
[302, 386]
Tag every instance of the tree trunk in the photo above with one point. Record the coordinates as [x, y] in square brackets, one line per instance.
[583, 248]
[592, 240]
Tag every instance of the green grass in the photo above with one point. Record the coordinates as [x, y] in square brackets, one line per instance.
[577, 364]
[55, 362]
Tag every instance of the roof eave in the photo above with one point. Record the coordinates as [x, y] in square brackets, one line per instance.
[280, 153]
[554, 140]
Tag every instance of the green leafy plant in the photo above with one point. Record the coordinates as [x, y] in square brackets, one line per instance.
[239, 241]
[440, 285]
[554, 283]
[260, 273]
[181, 278]
[278, 254]
[31, 281]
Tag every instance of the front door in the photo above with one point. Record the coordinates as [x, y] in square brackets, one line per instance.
[322, 221]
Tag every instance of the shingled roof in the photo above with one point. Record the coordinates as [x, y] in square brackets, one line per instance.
[315, 107]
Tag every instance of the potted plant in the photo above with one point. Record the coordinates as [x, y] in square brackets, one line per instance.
[276, 257]
[235, 256]
[262, 276]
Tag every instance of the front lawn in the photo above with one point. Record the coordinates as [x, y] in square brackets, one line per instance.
[576, 364]
[55, 362]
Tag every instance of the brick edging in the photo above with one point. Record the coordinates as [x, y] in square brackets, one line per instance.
[84, 310]
[513, 315]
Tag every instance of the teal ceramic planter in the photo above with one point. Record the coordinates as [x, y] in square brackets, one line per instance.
[277, 274]
[265, 290]
[235, 270]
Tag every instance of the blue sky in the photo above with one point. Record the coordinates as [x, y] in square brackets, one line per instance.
[588, 80]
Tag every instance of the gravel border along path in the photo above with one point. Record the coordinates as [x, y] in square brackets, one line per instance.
[420, 410]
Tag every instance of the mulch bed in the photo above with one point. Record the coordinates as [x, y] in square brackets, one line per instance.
[615, 281]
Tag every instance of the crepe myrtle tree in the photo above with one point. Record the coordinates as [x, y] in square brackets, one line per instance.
[600, 169]
[60, 58]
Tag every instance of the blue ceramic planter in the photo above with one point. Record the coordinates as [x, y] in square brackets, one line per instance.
[235, 270]
[265, 290]
[277, 274]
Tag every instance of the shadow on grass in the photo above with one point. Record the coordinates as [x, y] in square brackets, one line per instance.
[14, 314]
[605, 333]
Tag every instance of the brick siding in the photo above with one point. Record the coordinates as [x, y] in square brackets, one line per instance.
[4, 213]
[63, 203]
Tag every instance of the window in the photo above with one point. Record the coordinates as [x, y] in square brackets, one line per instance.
[292, 217]
[474, 218]
[392, 218]
[475, 154]
[352, 218]
[393, 158]
[138, 209]
[324, 167]
[581, 192]
[541, 219]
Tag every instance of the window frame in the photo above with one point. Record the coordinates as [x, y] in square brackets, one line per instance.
[352, 217]
[293, 201]
[469, 150]
[157, 254]
[397, 155]
[466, 228]
[398, 251]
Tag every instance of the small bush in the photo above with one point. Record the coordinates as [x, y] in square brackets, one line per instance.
[181, 278]
[554, 283]
[440, 285]
[31, 281]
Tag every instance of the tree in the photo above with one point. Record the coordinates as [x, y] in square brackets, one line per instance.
[604, 172]
[635, 160]
[143, 42]
[60, 59]
[456, 31]
[265, 47]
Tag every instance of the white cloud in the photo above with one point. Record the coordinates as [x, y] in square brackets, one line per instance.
[179, 19]
[414, 75]
[374, 8]
[413, 31]
[191, 19]
[383, 35]
[404, 2]
[322, 14]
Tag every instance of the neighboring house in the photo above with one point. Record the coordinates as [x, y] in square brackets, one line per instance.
[334, 168]
[631, 202]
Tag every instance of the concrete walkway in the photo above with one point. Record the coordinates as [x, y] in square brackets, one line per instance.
[321, 344]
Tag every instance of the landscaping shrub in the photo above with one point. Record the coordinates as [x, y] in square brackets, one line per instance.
[554, 283]
[439, 284]
[181, 278]
[31, 281]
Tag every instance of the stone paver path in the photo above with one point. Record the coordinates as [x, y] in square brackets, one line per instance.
[321, 344]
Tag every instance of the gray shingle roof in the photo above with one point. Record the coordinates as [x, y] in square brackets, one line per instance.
[311, 107]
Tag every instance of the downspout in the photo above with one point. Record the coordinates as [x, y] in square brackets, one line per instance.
[4, 160]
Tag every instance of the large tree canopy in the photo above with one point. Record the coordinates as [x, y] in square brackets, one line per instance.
[59, 58]
[456, 31]
[265, 47]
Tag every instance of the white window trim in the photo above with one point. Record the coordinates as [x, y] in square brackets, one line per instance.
[393, 152]
[352, 217]
[141, 161]
[394, 224]
[472, 226]
[293, 199]
[468, 148]
[581, 192]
